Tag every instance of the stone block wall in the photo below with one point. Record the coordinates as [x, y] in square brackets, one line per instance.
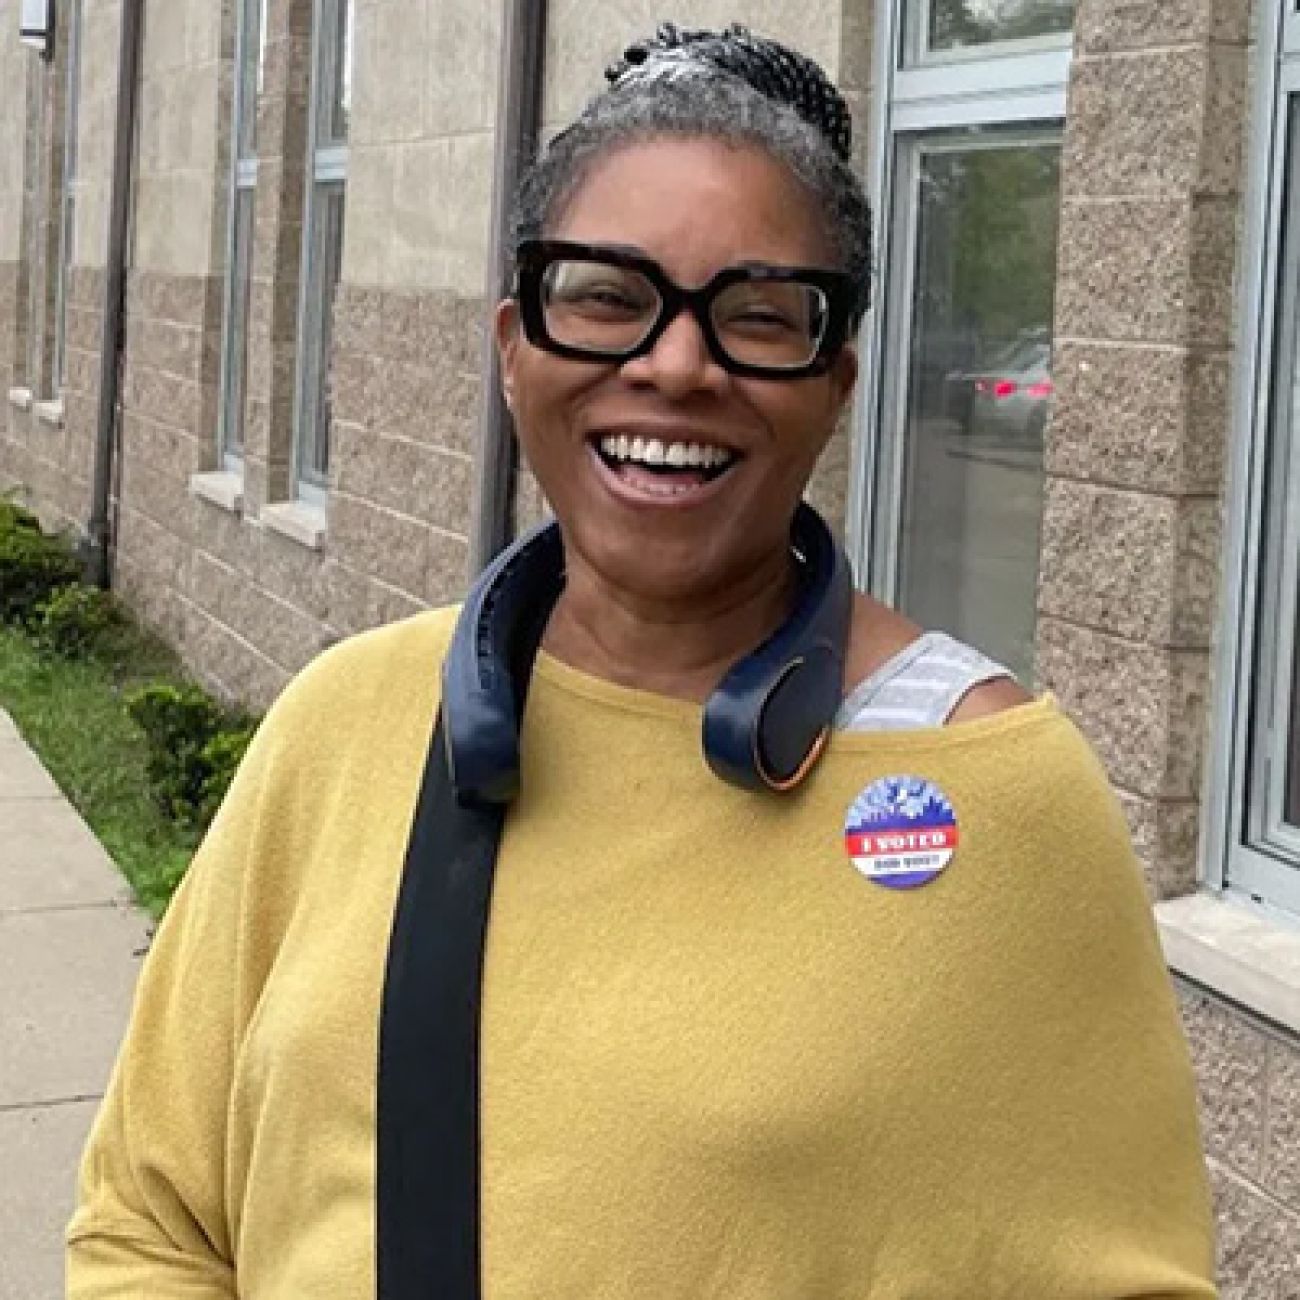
[1248, 1075]
[1151, 195]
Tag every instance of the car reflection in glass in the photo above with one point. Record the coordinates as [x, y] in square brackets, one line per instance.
[1006, 398]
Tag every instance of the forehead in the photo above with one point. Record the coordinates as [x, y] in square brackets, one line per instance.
[696, 206]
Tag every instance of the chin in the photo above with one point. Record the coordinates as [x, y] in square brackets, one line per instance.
[667, 568]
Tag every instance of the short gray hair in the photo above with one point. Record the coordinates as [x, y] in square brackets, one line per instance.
[675, 94]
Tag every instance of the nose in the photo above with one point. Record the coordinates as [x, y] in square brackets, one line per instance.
[680, 362]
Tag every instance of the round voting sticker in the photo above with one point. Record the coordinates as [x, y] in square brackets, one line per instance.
[901, 832]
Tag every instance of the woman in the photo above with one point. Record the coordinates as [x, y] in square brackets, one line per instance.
[897, 1027]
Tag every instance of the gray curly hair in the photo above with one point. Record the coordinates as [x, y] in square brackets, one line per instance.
[731, 86]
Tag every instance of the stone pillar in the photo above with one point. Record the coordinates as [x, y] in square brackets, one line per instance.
[1151, 193]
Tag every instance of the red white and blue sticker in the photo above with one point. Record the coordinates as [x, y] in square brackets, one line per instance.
[901, 832]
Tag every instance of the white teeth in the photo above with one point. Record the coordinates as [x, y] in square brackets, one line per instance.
[653, 451]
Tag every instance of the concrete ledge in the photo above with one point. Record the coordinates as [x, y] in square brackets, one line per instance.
[222, 488]
[1241, 954]
[21, 398]
[299, 521]
[50, 412]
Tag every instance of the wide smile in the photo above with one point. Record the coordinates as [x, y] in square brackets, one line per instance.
[648, 470]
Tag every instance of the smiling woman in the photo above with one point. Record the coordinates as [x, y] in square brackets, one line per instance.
[788, 987]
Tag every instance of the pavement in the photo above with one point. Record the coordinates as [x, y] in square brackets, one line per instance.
[70, 950]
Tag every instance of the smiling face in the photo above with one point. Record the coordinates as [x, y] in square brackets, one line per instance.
[671, 477]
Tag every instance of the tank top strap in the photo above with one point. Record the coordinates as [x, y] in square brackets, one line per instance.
[920, 686]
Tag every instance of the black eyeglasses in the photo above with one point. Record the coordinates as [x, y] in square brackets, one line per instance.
[594, 303]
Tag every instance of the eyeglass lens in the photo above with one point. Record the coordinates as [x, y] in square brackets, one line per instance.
[606, 309]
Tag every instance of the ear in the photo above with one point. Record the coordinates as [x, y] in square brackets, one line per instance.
[505, 329]
[844, 374]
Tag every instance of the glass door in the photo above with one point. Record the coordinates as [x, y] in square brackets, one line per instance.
[969, 394]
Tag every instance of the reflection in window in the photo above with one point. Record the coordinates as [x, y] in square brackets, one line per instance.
[250, 63]
[341, 107]
[945, 25]
[979, 387]
[327, 262]
[67, 201]
[323, 229]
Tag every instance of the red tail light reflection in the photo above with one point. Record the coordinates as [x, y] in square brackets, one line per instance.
[1043, 388]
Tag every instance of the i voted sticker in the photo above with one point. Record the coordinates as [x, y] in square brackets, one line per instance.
[901, 832]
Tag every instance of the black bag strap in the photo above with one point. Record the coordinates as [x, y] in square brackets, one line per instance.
[427, 1146]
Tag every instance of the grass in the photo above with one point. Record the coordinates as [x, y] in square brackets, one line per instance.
[71, 712]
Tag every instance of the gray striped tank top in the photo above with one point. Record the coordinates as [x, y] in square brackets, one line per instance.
[919, 687]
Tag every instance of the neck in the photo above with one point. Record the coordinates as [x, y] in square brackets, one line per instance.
[680, 647]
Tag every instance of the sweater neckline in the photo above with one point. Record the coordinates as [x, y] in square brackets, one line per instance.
[555, 675]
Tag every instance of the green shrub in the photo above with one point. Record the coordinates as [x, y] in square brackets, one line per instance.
[33, 564]
[223, 755]
[194, 746]
[74, 619]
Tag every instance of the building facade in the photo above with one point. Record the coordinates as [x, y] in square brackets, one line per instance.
[1073, 444]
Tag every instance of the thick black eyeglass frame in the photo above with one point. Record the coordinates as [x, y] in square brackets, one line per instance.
[534, 257]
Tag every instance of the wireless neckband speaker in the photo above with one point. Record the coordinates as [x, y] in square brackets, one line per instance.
[764, 726]
[763, 730]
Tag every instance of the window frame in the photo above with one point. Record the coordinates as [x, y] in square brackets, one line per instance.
[1009, 86]
[67, 199]
[242, 191]
[1250, 658]
[327, 173]
[919, 55]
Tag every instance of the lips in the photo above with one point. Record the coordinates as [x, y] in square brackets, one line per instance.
[646, 469]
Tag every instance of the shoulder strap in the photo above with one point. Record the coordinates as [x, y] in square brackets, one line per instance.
[427, 1146]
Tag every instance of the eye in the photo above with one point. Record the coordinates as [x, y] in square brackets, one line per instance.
[766, 309]
[597, 290]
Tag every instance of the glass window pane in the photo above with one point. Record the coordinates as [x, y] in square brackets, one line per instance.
[316, 413]
[252, 71]
[338, 67]
[1291, 812]
[935, 26]
[67, 232]
[1275, 797]
[234, 359]
[983, 215]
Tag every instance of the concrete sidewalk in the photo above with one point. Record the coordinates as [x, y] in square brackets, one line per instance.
[70, 948]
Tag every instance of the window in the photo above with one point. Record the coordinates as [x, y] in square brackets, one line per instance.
[323, 242]
[67, 201]
[957, 27]
[947, 503]
[250, 60]
[1255, 787]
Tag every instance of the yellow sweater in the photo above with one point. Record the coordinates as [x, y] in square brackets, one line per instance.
[718, 1060]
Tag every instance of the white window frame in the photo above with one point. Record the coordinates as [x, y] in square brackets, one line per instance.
[1244, 844]
[327, 173]
[1012, 84]
[67, 200]
[983, 52]
[249, 60]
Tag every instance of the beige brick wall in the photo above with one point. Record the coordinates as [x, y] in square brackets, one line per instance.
[420, 164]
[179, 226]
[1248, 1074]
[14, 59]
[584, 38]
[96, 123]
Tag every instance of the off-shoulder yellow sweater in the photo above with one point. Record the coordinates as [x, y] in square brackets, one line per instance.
[718, 1060]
